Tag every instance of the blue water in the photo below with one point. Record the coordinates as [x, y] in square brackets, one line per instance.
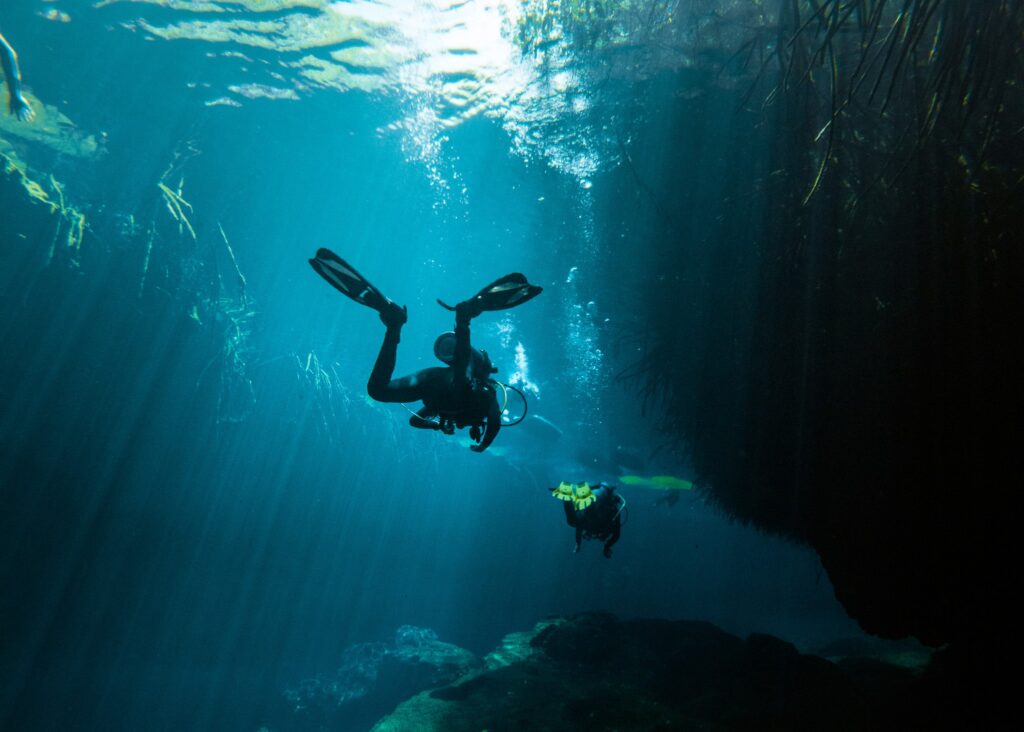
[196, 517]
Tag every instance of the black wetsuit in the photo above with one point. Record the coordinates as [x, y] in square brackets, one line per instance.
[600, 520]
[459, 395]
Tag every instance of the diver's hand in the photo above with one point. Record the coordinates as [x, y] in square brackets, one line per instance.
[446, 427]
[467, 310]
[607, 552]
[478, 448]
[576, 549]
[20, 108]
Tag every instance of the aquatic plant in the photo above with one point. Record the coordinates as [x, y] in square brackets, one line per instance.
[70, 220]
[22, 143]
[230, 317]
[182, 260]
[236, 395]
[894, 76]
[325, 394]
[176, 206]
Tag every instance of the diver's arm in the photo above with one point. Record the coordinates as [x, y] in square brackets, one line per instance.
[9, 60]
[16, 103]
[462, 360]
[579, 537]
[493, 427]
[422, 421]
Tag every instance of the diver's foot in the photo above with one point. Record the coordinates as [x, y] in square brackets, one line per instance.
[394, 315]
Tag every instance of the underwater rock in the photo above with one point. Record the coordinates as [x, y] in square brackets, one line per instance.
[51, 129]
[597, 672]
[420, 646]
[321, 696]
[420, 661]
[374, 677]
[516, 647]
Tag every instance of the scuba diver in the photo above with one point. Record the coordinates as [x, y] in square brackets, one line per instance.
[461, 394]
[595, 513]
[16, 103]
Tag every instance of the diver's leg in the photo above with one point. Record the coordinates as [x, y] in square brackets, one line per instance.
[382, 388]
[384, 367]
[616, 532]
[614, 538]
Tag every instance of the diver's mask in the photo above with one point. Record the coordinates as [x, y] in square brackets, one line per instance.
[444, 349]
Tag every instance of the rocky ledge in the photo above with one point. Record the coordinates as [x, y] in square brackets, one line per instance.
[596, 672]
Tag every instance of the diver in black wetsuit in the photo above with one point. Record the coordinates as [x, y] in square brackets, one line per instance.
[16, 103]
[595, 513]
[457, 396]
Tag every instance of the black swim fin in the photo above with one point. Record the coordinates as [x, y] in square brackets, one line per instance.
[507, 292]
[344, 278]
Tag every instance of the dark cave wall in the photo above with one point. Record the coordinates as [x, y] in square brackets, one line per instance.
[879, 405]
[844, 368]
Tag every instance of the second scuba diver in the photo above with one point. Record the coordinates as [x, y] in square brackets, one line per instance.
[461, 394]
[595, 513]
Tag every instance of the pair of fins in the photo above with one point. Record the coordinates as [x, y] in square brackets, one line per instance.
[581, 496]
[506, 292]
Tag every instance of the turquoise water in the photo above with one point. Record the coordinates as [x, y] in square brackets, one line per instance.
[201, 505]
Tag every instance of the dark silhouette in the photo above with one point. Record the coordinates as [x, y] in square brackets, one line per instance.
[595, 513]
[455, 396]
[461, 394]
